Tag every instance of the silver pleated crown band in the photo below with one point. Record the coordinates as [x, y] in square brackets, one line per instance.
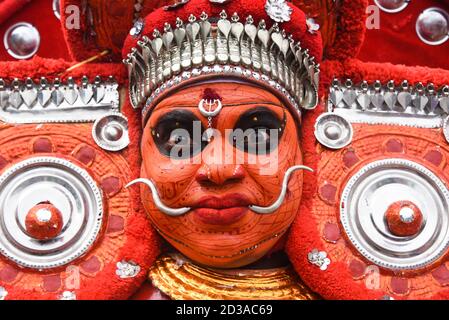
[224, 47]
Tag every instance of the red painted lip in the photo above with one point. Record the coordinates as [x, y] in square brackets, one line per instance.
[221, 210]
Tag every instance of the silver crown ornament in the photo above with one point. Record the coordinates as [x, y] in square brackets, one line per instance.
[223, 46]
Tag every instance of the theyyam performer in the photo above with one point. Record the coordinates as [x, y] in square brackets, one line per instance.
[223, 149]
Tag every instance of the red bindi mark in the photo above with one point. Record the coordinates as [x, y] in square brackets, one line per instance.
[211, 94]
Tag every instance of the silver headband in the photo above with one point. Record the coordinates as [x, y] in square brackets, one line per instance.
[221, 47]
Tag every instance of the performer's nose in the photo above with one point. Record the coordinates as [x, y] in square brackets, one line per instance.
[219, 163]
[220, 174]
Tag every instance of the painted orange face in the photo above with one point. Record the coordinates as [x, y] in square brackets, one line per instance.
[220, 178]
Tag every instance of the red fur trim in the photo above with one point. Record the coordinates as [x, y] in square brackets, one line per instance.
[358, 71]
[50, 68]
[350, 30]
[78, 48]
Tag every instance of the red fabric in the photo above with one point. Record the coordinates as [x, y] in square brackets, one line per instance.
[350, 30]
[49, 68]
[397, 42]
[347, 38]
[75, 38]
[336, 282]
[112, 20]
[9, 7]
[40, 14]
[297, 26]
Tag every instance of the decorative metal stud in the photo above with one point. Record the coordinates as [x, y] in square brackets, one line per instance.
[319, 259]
[22, 40]
[349, 95]
[405, 97]
[110, 132]
[127, 269]
[336, 95]
[364, 99]
[390, 96]
[219, 1]
[29, 95]
[278, 10]
[15, 98]
[44, 93]
[420, 100]
[3, 293]
[377, 99]
[333, 131]
[432, 26]
[433, 98]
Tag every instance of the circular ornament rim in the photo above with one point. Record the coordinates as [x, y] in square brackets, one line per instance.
[327, 142]
[97, 219]
[6, 44]
[432, 43]
[119, 145]
[56, 6]
[345, 216]
[399, 9]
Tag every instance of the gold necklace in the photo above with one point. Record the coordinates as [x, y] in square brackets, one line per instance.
[180, 279]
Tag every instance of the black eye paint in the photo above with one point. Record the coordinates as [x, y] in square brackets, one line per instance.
[258, 131]
[174, 134]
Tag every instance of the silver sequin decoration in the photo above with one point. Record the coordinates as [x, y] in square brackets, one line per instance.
[319, 258]
[278, 10]
[3, 293]
[176, 5]
[127, 269]
[312, 26]
[67, 295]
[137, 29]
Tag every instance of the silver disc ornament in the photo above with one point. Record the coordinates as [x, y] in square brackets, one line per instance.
[66, 187]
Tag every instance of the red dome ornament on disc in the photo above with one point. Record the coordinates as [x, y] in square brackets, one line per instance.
[44, 221]
[404, 218]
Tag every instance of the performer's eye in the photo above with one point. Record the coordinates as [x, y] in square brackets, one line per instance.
[258, 131]
[177, 134]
